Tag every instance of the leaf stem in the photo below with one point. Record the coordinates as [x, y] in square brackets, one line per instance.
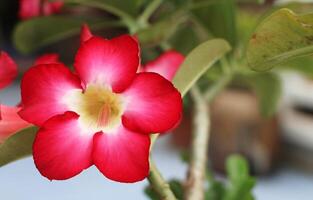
[197, 167]
[151, 8]
[217, 87]
[127, 19]
[159, 185]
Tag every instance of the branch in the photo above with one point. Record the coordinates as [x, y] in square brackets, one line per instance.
[144, 17]
[197, 167]
[159, 184]
[217, 87]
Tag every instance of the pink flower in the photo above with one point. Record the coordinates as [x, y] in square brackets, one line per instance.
[34, 8]
[166, 64]
[102, 115]
[10, 121]
[8, 69]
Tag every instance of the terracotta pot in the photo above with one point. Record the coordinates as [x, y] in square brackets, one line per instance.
[236, 127]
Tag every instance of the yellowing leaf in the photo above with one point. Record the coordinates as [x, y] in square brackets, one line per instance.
[280, 37]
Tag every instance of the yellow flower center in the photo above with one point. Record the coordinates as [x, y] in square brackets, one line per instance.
[99, 108]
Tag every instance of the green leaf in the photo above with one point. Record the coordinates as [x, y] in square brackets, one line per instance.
[175, 185]
[241, 183]
[125, 10]
[184, 40]
[303, 65]
[237, 168]
[215, 191]
[117, 7]
[280, 37]
[267, 87]
[219, 18]
[33, 34]
[198, 61]
[160, 31]
[177, 188]
[17, 146]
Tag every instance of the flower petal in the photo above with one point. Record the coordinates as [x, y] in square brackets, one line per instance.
[10, 122]
[43, 88]
[48, 58]
[29, 9]
[122, 155]
[85, 34]
[61, 148]
[8, 69]
[166, 65]
[109, 62]
[50, 8]
[153, 104]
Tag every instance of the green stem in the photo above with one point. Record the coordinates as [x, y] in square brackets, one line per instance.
[151, 8]
[127, 19]
[202, 4]
[217, 87]
[160, 186]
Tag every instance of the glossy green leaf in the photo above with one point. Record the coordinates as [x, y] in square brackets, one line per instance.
[17, 146]
[267, 87]
[33, 34]
[198, 61]
[282, 36]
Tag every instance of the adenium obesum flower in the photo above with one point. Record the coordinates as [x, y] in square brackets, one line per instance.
[34, 8]
[10, 121]
[102, 115]
[166, 64]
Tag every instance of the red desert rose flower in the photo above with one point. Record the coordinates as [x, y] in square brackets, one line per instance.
[34, 8]
[10, 121]
[166, 64]
[102, 116]
[8, 69]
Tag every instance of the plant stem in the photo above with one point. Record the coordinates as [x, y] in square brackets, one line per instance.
[200, 142]
[217, 87]
[127, 19]
[144, 17]
[159, 185]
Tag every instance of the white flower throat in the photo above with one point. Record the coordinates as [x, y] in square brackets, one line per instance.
[98, 107]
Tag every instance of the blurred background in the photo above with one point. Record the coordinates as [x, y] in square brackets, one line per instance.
[270, 124]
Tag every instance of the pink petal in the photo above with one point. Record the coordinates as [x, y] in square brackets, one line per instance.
[154, 104]
[48, 58]
[10, 122]
[50, 8]
[166, 65]
[85, 34]
[122, 155]
[8, 69]
[29, 9]
[43, 87]
[62, 149]
[109, 62]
